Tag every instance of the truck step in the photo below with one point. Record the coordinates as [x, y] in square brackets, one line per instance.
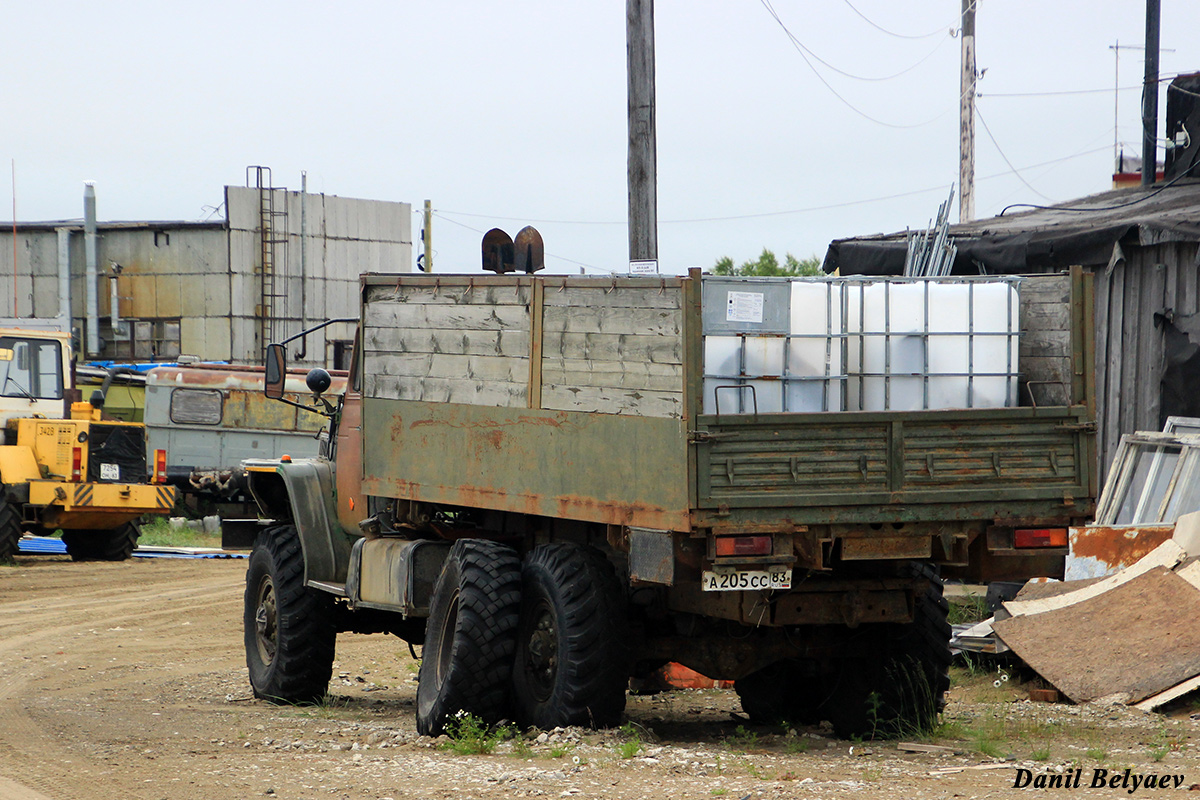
[338, 589]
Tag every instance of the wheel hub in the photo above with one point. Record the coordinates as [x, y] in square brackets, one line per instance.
[541, 649]
[266, 621]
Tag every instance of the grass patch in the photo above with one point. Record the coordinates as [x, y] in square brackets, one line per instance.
[160, 533]
[742, 739]
[968, 609]
[470, 736]
[632, 744]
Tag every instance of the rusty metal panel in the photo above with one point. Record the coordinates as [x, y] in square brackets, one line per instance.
[601, 468]
[811, 461]
[651, 556]
[885, 547]
[1100, 550]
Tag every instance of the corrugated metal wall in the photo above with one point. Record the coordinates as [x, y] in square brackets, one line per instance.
[1129, 347]
[197, 284]
[343, 238]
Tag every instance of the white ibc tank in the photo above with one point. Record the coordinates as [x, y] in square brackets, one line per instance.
[815, 350]
[723, 366]
[956, 333]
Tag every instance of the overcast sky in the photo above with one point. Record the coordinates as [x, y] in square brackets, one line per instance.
[511, 113]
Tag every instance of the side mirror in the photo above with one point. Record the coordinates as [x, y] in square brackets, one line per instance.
[276, 371]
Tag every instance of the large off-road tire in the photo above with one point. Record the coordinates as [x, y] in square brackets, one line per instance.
[571, 667]
[116, 544]
[289, 629]
[466, 663]
[10, 531]
[782, 692]
[901, 691]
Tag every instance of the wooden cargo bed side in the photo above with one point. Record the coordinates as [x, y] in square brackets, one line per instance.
[551, 396]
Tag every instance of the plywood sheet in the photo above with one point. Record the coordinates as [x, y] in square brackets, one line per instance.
[1138, 639]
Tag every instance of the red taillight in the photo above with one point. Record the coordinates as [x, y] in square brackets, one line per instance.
[76, 464]
[160, 466]
[744, 545]
[1040, 537]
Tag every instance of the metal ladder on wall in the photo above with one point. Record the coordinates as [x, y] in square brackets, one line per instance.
[273, 241]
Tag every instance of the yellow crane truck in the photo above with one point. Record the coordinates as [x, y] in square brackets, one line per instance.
[62, 464]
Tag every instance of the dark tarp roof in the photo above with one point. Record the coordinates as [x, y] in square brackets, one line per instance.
[1044, 239]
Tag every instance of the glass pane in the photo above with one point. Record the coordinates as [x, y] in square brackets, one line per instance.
[30, 368]
[196, 406]
[1153, 468]
[1186, 497]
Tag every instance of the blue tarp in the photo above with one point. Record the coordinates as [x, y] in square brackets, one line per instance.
[48, 545]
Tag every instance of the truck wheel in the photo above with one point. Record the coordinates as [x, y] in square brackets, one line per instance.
[466, 662]
[10, 531]
[95, 545]
[781, 693]
[570, 667]
[901, 692]
[289, 629]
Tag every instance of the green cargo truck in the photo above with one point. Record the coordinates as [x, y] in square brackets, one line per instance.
[559, 483]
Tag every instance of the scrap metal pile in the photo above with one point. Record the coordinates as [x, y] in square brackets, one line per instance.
[1125, 625]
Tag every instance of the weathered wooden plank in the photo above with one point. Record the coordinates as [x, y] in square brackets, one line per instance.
[443, 365]
[474, 343]
[613, 347]
[612, 401]
[1116, 349]
[1037, 368]
[445, 390]
[1101, 287]
[653, 321]
[1129, 335]
[1046, 344]
[1046, 317]
[450, 295]
[614, 375]
[1150, 341]
[455, 317]
[1046, 289]
[621, 297]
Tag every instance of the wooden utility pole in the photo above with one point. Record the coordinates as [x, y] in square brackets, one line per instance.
[643, 164]
[1150, 96]
[427, 236]
[966, 120]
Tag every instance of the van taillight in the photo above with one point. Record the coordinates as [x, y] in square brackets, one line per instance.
[76, 464]
[160, 466]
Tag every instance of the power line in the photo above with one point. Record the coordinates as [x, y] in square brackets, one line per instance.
[801, 50]
[1084, 209]
[760, 215]
[843, 72]
[1064, 92]
[893, 33]
[1057, 94]
[1015, 171]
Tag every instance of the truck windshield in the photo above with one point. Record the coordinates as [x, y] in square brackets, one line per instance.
[31, 368]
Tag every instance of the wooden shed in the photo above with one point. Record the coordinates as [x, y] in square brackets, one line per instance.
[1143, 247]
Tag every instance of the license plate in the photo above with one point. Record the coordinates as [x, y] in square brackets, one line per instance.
[737, 580]
[110, 472]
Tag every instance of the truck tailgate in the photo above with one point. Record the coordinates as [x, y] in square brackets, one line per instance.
[838, 467]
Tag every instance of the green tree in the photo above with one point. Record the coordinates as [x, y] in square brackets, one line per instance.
[767, 265]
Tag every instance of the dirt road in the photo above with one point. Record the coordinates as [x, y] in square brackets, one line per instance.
[127, 681]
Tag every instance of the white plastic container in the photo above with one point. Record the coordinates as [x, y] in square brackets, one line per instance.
[933, 345]
[816, 346]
